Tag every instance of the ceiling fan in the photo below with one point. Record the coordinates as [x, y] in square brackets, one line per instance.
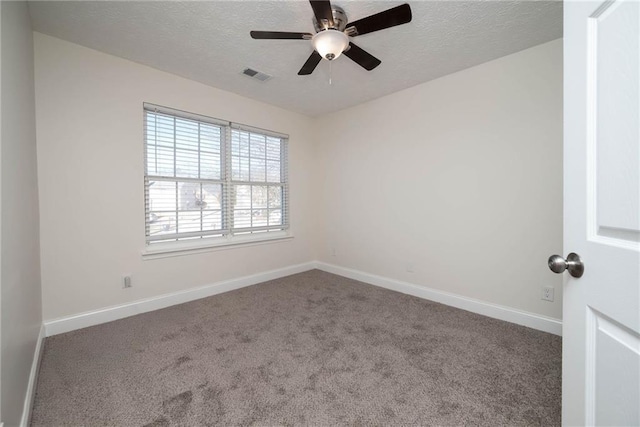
[333, 31]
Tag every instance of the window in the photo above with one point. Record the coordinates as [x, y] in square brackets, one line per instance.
[210, 181]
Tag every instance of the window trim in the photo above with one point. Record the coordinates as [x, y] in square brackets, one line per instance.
[228, 240]
[187, 247]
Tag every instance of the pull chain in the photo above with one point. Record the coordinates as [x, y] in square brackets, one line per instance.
[330, 68]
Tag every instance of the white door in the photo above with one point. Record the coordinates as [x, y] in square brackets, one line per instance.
[601, 332]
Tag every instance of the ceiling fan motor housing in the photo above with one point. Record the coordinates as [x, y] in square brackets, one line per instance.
[339, 20]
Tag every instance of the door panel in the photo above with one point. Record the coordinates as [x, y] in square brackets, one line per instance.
[612, 386]
[613, 53]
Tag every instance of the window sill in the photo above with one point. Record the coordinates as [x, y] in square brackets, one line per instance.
[173, 249]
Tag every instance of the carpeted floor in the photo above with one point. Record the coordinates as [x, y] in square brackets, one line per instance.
[308, 349]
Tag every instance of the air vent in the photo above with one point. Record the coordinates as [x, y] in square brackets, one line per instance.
[256, 74]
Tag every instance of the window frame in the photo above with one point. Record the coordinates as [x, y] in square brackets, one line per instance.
[226, 236]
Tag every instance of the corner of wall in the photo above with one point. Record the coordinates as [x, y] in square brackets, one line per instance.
[21, 329]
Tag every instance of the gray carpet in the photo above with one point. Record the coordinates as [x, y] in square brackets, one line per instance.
[308, 349]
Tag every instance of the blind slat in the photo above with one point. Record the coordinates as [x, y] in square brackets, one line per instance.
[176, 236]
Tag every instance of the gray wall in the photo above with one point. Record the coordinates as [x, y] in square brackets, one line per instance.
[91, 173]
[20, 293]
[459, 179]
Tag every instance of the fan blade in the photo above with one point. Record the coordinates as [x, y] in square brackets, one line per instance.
[362, 57]
[311, 64]
[280, 35]
[322, 10]
[389, 18]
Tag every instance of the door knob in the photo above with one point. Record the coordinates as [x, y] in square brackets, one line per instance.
[573, 263]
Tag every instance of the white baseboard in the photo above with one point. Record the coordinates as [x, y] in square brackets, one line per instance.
[108, 314]
[33, 380]
[531, 320]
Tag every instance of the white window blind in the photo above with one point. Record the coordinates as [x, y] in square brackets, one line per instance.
[206, 178]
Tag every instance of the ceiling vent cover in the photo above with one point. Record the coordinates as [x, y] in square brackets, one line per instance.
[256, 74]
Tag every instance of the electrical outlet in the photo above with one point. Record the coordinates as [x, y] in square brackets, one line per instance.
[333, 251]
[547, 293]
[126, 282]
[410, 267]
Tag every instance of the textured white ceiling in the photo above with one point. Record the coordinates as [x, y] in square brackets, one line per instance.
[209, 42]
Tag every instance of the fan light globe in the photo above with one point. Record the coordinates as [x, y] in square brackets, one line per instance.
[330, 43]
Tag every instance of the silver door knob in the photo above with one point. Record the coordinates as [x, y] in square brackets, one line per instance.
[573, 264]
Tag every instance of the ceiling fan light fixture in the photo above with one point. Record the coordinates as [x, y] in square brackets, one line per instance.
[330, 43]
